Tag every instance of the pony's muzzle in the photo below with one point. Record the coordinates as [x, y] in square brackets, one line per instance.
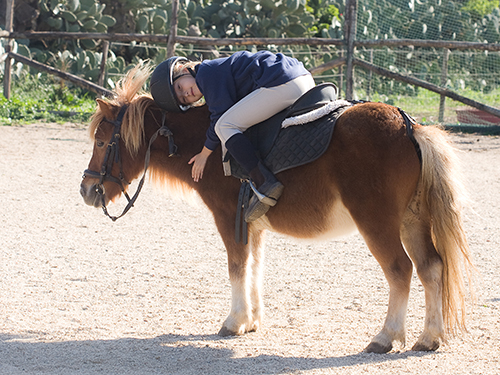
[91, 194]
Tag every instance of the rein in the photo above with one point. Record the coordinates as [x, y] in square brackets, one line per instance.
[113, 156]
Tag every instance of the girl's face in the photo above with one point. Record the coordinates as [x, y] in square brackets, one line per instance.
[186, 90]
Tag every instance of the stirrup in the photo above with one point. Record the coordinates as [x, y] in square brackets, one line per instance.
[260, 203]
[270, 201]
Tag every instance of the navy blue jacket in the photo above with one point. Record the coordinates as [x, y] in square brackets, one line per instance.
[225, 81]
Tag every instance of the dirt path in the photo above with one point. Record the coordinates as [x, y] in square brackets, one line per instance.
[147, 294]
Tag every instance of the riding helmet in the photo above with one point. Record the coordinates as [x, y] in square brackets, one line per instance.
[162, 85]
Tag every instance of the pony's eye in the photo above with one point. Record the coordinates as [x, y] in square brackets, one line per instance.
[99, 143]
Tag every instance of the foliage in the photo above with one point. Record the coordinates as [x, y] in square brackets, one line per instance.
[217, 19]
[212, 19]
[75, 16]
[80, 57]
[328, 22]
[38, 97]
[480, 8]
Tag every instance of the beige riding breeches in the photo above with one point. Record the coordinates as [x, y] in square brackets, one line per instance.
[260, 105]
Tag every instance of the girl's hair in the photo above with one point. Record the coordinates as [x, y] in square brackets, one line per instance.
[177, 72]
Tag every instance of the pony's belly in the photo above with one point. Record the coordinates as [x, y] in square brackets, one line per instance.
[334, 223]
[337, 223]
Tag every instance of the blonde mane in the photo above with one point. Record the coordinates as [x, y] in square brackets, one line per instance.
[128, 92]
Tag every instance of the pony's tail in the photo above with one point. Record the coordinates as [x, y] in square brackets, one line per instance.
[444, 196]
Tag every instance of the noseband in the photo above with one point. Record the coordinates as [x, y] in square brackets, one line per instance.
[113, 156]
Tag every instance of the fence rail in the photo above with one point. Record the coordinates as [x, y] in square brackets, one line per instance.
[163, 38]
[63, 75]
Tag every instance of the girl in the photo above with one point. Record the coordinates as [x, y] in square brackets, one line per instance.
[240, 91]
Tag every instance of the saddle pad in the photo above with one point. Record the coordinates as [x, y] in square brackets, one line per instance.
[297, 145]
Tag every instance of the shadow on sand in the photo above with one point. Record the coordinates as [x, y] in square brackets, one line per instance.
[166, 354]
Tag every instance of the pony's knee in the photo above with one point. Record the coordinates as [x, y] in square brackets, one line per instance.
[431, 270]
[400, 270]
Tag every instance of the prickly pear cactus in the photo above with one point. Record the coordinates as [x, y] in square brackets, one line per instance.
[75, 16]
[208, 18]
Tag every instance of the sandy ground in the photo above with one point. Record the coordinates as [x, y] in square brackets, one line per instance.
[147, 294]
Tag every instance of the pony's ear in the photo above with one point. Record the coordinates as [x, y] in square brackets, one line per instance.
[106, 109]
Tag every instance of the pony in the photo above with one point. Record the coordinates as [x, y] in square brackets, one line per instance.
[369, 180]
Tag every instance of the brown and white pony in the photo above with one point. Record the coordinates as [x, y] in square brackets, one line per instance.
[369, 180]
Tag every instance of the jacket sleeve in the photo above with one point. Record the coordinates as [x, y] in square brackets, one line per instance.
[212, 141]
[218, 87]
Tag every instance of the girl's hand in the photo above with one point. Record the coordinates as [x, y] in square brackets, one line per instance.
[199, 161]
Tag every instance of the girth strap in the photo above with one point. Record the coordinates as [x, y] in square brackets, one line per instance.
[241, 226]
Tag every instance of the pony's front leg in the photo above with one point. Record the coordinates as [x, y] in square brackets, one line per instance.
[257, 276]
[245, 274]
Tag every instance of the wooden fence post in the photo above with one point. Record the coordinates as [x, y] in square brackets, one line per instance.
[350, 36]
[341, 75]
[102, 72]
[173, 29]
[9, 27]
[370, 74]
[444, 77]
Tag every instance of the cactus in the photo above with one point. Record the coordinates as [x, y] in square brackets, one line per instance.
[74, 16]
[215, 19]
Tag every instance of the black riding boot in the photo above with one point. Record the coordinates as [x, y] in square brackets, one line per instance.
[267, 190]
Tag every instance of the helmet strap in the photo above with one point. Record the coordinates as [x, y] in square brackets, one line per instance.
[179, 76]
[192, 72]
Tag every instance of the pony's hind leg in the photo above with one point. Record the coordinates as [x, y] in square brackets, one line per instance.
[388, 251]
[416, 236]
[245, 274]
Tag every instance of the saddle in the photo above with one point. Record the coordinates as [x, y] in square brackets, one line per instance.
[281, 148]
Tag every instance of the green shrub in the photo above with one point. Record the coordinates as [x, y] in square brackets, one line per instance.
[40, 98]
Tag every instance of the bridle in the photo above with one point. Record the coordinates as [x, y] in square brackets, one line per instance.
[113, 156]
